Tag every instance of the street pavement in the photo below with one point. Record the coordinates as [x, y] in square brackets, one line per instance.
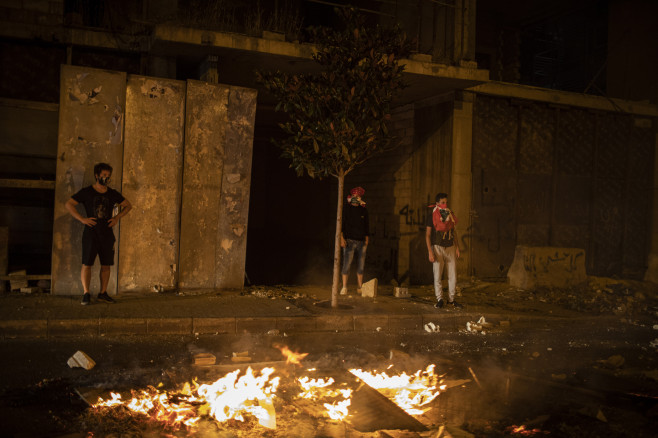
[259, 309]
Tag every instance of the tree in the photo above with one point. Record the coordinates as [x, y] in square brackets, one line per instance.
[338, 116]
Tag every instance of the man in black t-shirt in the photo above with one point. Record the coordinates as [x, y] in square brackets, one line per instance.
[98, 237]
[443, 247]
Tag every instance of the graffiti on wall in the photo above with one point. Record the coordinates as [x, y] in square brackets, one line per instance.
[565, 260]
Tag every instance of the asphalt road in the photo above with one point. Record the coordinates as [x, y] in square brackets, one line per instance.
[555, 377]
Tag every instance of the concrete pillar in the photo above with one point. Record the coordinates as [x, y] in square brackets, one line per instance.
[4, 256]
[91, 117]
[205, 137]
[652, 271]
[152, 180]
[461, 175]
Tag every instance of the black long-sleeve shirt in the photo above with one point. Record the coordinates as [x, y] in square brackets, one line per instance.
[355, 222]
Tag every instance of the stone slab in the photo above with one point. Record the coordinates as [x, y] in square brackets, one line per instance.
[369, 289]
[122, 326]
[231, 250]
[27, 328]
[91, 118]
[296, 324]
[341, 323]
[73, 327]
[370, 322]
[214, 325]
[152, 181]
[169, 326]
[547, 267]
[254, 325]
[206, 118]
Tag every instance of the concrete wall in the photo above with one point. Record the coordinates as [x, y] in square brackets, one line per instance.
[152, 179]
[91, 118]
[216, 178]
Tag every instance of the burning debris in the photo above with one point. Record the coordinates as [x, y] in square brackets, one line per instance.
[361, 399]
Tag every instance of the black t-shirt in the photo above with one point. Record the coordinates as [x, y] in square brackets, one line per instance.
[355, 222]
[99, 205]
[445, 239]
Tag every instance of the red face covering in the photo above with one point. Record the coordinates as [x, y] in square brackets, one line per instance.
[443, 206]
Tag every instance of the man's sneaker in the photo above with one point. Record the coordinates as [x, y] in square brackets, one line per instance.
[439, 304]
[105, 297]
[343, 291]
[456, 304]
[86, 299]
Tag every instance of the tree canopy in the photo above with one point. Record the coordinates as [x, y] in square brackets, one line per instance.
[338, 116]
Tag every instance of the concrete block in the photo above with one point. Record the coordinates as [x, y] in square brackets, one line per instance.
[169, 326]
[18, 280]
[370, 322]
[82, 360]
[547, 267]
[122, 326]
[369, 289]
[402, 292]
[4, 255]
[214, 325]
[152, 182]
[254, 325]
[19, 328]
[342, 323]
[405, 322]
[91, 117]
[73, 327]
[296, 324]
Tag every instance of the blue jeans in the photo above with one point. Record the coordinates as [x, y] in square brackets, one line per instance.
[348, 254]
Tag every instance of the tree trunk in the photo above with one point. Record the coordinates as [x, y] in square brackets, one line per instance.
[339, 226]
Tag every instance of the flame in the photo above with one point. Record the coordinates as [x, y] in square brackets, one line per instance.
[291, 357]
[409, 392]
[319, 389]
[227, 398]
[523, 431]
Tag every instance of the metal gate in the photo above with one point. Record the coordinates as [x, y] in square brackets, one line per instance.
[560, 176]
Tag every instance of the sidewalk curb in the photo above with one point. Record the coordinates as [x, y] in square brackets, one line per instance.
[112, 326]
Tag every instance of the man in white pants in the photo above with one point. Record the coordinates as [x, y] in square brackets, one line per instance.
[443, 248]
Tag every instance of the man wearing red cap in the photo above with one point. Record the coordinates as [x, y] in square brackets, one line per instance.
[354, 236]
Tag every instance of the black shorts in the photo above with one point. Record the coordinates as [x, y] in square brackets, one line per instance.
[94, 244]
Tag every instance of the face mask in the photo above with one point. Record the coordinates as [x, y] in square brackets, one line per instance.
[103, 181]
[444, 205]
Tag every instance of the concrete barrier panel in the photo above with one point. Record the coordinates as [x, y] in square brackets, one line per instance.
[231, 250]
[547, 267]
[216, 179]
[205, 135]
[152, 180]
[91, 118]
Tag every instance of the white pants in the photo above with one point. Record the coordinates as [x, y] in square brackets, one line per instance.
[445, 257]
